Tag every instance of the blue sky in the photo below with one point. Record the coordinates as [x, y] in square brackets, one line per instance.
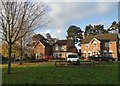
[64, 14]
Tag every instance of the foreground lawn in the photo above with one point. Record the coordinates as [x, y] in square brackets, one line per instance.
[49, 74]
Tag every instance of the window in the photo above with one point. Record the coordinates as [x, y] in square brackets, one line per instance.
[95, 45]
[56, 47]
[107, 44]
[105, 52]
[87, 46]
[84, 54]
[62, 48]
[89, 53]
[94, 53]
[38, 49]
[60, 55]
[55, 55]
[111, 53]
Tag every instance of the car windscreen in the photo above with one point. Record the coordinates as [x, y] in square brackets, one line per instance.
[72, 56]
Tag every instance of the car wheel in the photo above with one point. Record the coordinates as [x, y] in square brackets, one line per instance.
[78, 63]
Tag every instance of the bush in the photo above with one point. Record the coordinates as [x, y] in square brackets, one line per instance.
[3, 59]
[82, 57]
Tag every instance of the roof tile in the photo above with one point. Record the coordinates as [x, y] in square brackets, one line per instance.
[101, 37]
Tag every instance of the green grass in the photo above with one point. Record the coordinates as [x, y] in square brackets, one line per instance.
[49, 74]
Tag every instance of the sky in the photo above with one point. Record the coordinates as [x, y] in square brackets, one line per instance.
[64, 14]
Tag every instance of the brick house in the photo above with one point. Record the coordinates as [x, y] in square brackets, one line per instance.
[42, 50]
[62, 48]
[102, 44]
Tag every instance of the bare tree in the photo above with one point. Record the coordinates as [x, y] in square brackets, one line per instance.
[23, 45]
[17, 18]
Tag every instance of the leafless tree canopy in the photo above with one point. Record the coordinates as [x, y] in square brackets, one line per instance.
[17, 17]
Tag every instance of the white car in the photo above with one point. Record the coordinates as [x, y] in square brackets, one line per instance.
[73, 58]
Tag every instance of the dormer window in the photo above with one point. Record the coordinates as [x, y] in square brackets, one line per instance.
[62, 48]
[107, 44]
[56, 47]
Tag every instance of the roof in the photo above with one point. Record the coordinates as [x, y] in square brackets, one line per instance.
[66, 42]
[34, 43]
[72, 49]
[101, 37]
[62, 42]
[31, 44]
[45, 44]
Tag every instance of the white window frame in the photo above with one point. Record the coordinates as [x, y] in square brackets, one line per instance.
[85, 54]
[107, 44]
[89, 53]
[62, 47]
[87, 46]
[56, 47]
[95, 45]
[105, 52]
[111, 53]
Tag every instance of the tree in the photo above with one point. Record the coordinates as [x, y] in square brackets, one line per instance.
[4, 50]
[97, 29]
[89, 30]
[17, 17]
[114, 28]
[74, 33]
[23, 45]
[119, 27]
[38, 37]
[50, 40]
[15, 50]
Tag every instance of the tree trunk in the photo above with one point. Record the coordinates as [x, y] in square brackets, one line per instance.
[9, 59]
[21, 52]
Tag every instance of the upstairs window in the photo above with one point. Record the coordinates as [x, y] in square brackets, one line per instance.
[56, 47]
[107, 44]
[95, 45]
[62, 48]
[87, 46]
[38, 49]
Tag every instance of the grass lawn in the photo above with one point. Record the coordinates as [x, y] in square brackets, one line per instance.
[49, 74]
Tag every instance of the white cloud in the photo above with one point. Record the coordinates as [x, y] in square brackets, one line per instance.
[75, 0]
[62, 13]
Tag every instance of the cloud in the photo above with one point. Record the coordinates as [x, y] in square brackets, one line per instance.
[62, 13]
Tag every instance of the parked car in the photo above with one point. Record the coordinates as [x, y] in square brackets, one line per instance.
[103, 58]
[73, 59]
[118, 58]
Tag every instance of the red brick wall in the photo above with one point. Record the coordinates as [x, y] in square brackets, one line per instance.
[39, 48]
[90, 48]
[100, 47]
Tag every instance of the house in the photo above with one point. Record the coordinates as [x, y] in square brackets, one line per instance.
[62, 48]
[102, 44]
[42, 50]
